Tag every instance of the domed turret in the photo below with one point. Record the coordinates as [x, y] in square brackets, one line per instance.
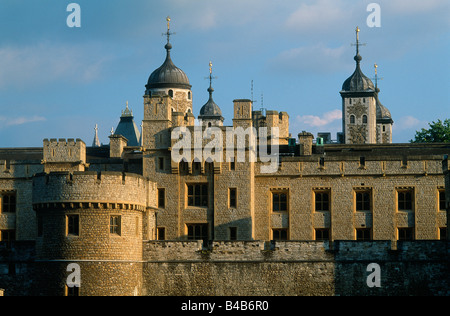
[170, 80]
[168, 75]
[358, 81]
[382, 112]
[359, 114]
[210, 113]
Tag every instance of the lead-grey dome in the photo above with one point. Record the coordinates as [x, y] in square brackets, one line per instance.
[358, 81]
[383, 114]
[168, 75]
[210, 109]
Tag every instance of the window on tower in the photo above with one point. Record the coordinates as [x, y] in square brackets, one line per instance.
[352, 119]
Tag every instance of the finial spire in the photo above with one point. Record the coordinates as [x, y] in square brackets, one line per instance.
[168, 33]
[357, 40]
[210, 73]
[376, 77]
[210, 89]
[127, 111]
[358, 44]
[96, 142]
[141, 139]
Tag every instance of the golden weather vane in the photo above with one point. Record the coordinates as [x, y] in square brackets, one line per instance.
[357, 30]
[168, 33]
[376, 76]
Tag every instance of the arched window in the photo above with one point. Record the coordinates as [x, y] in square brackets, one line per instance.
[364, 119]
[171, 93]
[352, 119]
[189, 95]
[183, 167]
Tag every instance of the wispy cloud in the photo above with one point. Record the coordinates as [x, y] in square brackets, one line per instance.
[31, 66]
[327, 122]
[408, 7]
[408, 123]
[13, 121]
[320, 121]
[316, 15]
[315, 58]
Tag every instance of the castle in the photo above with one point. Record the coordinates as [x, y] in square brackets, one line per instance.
[139, 222]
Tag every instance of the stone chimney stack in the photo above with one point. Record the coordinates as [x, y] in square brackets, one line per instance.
[305, 140]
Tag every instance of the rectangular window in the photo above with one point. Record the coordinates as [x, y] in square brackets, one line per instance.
[161, 231]
[442, 200]
[322, 200]
[322, 234]
[280, 234]
[73, 225]
[363, 234]
[161, 198]
[232, 197]
[198, 232]
[233, 233]
[115, 225]
[404, 163]
[406, 233]
[198, 195]
[196, 166]
[363, 201]
[209, 167]
[322, 162]
[279, 201]
[72, 291]
[362, 161]
[161, 163]
[9, 203]
[232, 166]
[8, 235]
[405, 199]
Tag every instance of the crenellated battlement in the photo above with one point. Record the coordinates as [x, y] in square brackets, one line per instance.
[90, 188]
[301, 251]
[61, 154]
[62, 150]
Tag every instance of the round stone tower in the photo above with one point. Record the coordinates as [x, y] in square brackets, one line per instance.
[90, 229]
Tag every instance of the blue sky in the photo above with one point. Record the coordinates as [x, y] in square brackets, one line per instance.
[58, 82]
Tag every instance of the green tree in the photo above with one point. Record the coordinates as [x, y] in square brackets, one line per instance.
[439, 132]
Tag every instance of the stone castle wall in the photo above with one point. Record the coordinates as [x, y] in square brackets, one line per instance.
[240, 268]
[254, 268]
